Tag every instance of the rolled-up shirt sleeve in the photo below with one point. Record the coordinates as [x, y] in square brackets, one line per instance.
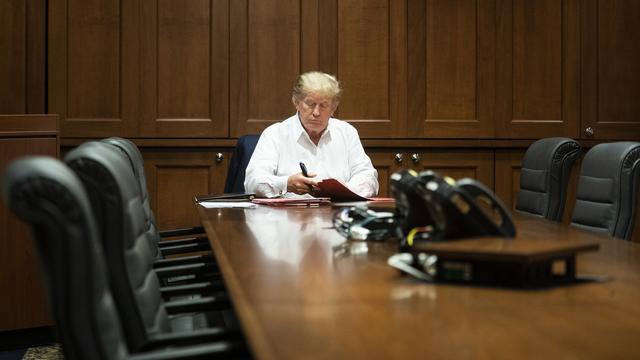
[364, 177]
[260, 176]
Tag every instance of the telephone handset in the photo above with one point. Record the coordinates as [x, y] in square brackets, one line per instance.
[411, 210]
[439, 208]
[498, 218]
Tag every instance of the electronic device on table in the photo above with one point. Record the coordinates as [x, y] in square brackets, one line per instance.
[461, 232]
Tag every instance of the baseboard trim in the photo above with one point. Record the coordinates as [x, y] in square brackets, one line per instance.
[24, 338]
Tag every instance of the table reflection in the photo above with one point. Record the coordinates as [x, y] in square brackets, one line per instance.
[287, 235]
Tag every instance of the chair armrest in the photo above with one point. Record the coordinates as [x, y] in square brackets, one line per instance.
[188, 269]
[183, 248]
[182, 232]
[235, 349]
[183, 241]
[185, 260]
[192, 337]
[201, 288]
[219, 301]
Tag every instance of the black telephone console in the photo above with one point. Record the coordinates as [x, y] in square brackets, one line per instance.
[433, 207]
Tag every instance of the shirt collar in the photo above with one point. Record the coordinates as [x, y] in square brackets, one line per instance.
[298, 130]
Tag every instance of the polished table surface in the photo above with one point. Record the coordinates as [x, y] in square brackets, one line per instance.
[301, 292]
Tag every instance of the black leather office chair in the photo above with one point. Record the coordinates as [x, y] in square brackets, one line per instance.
[182, 248]
[115, 199]
[238, 165]
[608, 189]
[165, 247]
[50, 198]
[546, 169]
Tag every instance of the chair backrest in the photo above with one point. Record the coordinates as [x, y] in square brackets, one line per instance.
[115, 199]
[239, 161]
[608, 188]
[546, 169]
[136, 161]
[49, 197]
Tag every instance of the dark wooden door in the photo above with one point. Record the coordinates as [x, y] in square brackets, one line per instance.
[94, 82]
[610, 69]
[174, 177]
[451, 69]
[537, 69]
[184, 74]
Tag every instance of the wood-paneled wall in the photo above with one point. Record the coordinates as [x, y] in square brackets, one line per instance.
[175, 177]
[23, 303]
[518, 69]
[480, 79]
[22, 56]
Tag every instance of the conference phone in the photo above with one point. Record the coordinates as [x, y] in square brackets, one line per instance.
[431, 207]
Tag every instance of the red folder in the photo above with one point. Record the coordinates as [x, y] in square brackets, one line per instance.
[335, 190]
[317, 201]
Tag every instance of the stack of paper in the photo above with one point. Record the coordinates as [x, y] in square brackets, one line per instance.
[233, 200]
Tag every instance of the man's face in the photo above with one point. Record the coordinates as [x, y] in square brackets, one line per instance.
[315, 112]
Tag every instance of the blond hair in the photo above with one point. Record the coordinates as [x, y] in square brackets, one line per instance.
[319, 83]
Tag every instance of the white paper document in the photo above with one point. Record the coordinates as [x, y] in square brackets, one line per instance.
[221, 204]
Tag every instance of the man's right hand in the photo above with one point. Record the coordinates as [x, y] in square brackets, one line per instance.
[300, 184]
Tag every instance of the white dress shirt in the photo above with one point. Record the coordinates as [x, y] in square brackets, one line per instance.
[284, 145]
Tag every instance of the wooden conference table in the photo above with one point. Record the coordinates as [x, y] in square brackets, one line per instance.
[299, 294]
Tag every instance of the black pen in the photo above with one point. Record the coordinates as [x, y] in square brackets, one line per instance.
[306, 174]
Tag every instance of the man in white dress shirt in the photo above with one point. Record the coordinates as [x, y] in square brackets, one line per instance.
[330, 148]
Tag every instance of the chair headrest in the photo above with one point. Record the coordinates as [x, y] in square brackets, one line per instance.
[131, 151]
[542, 151]
[606, 159]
